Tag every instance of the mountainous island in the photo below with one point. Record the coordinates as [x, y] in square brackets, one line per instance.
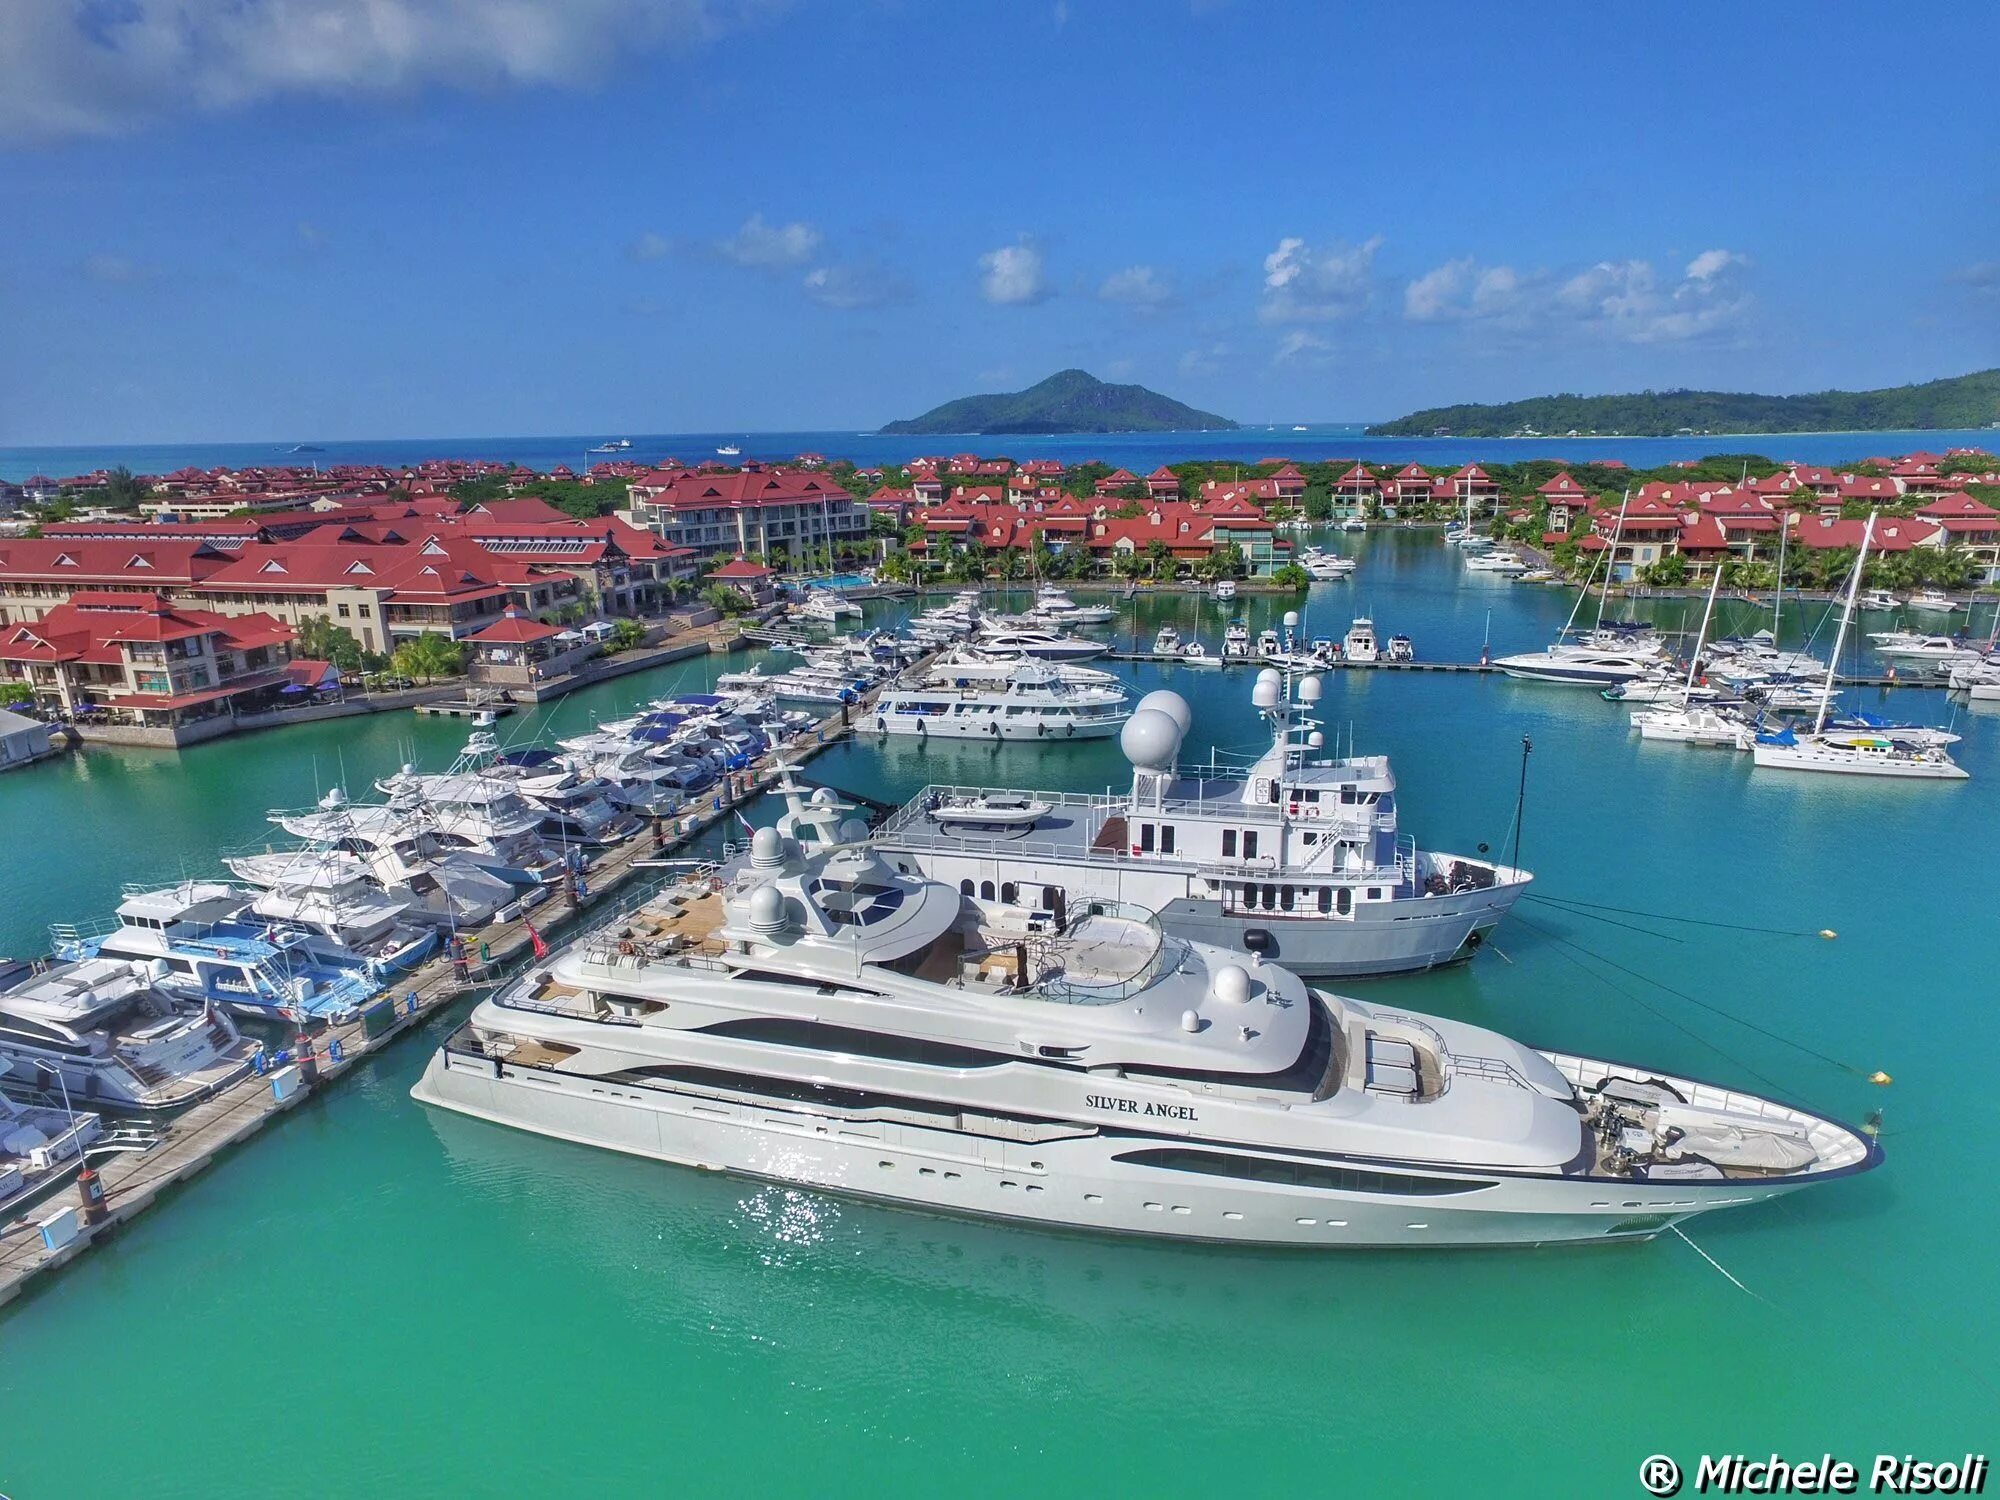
[1070, 401]
[1961, 401]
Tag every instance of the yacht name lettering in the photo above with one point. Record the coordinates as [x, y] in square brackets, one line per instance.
[1137, 1107]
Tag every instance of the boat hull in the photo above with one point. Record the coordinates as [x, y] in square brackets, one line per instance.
[943, 727]
[1388, 937]
[1810, 758]
[1074, 1183]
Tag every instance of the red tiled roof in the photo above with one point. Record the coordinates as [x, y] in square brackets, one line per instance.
[514, 629]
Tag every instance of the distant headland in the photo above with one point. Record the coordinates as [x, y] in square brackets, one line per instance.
[1069, 401]
[1962, 401]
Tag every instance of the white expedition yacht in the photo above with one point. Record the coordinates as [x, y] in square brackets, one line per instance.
[827, 1020]
[1296, 857]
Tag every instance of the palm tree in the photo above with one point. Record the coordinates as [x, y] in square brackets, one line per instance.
[429, 656]
[1159, 559]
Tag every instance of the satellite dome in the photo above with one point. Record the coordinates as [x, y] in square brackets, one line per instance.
[853, 831]
[1267, 693]
[767, 909]
[1315, 741]
[1191, 1020]
[1291, 619]
[822, 797]
[1270, 675]
[1150, 739]
[767, 848]
[1309, 690]
[1173, 705]
[1231, 985]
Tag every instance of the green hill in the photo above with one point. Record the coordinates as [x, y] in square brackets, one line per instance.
[1961, 401]
[1067, 402]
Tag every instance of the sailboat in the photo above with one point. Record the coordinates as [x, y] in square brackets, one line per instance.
[1685, 718]
[1857, 752]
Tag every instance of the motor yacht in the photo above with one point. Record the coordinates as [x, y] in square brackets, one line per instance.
[1933, 602]
[483, 817]
[1326, 567]
[822, 607]
[1225, 590]
[97, 1031]
[829, 1020]
[1046, 645]
[1296, 855]
[1057, 610]
[1497, 561]
[1236, 640]
[1167, 642]
[966, 698]
[1360, 644]
[327, 896]
[1879, 599]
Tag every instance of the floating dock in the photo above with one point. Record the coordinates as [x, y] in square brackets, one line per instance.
[467, 708]
[189, 1141]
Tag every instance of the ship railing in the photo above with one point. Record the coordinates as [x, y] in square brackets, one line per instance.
[1406, 859]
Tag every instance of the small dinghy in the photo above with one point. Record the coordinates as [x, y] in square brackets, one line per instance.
[988, 811]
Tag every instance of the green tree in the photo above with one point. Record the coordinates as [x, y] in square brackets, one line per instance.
[1127, 564]
[1670, 571]
[317, 638]
[625, 635]
[1291, 576]
[1159, 560]
[121, 491]
[722, 597]
[429, 657]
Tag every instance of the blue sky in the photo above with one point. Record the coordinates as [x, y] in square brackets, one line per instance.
[344, 218]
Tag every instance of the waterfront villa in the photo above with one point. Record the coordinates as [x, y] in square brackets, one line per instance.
[136, 661]
[756, 511]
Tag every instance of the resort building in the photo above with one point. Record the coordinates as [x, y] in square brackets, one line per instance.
[765, 512]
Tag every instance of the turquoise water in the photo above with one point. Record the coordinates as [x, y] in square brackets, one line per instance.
[372, 1296]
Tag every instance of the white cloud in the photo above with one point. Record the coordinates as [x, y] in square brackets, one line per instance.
[862, 284]
[1982, 276]
[1463, 289]
[70, 69]
[1015, 275]
[311, 236]
[649, 246]
[1627, 299]
[1145, 288]
[1316, 284]
[1300, 344]
[769, 246]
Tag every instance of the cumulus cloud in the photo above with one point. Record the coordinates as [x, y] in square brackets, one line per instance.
[862, 284]
[1304, 283]
[69, 68]
[770, 247]
[1144, 288]
[649, 246]
[1205, 360]
[1629, 300]
[1015, 275]
[1461, 289]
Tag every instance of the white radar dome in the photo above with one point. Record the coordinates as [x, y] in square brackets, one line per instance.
[1291, 619]
[1150, 740]
[767, 909]
[1231, 985]
[1190, 1020]
[853, 831]
[767, 847]
[1173, 705]
[1309, 690]
[1267, 692]
[1315, 741]
[1270, 675]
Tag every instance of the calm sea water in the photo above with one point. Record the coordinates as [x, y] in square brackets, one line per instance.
[1139, 452]
[374, 1297]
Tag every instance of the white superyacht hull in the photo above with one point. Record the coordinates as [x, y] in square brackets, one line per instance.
[1077, 1182]
[943, 727]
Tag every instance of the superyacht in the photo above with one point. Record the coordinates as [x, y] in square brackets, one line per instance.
[1297, 857]
[827, 1020]
[967, 698]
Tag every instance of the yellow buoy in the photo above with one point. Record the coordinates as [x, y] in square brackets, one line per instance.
[1881, 1078]
[1828, 933]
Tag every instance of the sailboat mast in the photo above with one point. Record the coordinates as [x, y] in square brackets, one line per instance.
[1846, 614]
[1694, 661]
[1611, 557]
[1778, 603]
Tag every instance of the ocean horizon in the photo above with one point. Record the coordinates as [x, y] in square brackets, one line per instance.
[1317, 442]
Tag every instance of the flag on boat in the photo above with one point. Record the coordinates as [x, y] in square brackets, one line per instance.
[748, 826]
[535, 939]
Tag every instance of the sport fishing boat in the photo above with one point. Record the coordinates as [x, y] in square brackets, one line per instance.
[1326, 567]
[199, 941]
[397, 847]
[326, 895]
[1933, 602]
[1360, 645]
[1296, 857]
[967, 698]
[1057, 610]
[830, 1019]
[96, 1030]
[1236, 641]
[1225, 590]
[485, 818]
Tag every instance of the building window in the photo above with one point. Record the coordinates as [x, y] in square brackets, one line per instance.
[1249, 843]
[1146, 837]
[343, 611]
[1229, 843]
[1166, 838]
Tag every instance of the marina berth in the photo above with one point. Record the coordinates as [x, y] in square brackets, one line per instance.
[96, 1030]
[483, 818]
[824, 1018]
[40, 1146]
[1296, 856]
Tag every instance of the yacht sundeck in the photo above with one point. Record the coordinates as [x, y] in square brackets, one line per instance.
[1297, 856]
[40, 1147]
[1047, 645]
[828, 1020]
[966, 697]
[97, 1031]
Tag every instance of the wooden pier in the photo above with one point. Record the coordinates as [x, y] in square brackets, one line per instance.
[189, 1141]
